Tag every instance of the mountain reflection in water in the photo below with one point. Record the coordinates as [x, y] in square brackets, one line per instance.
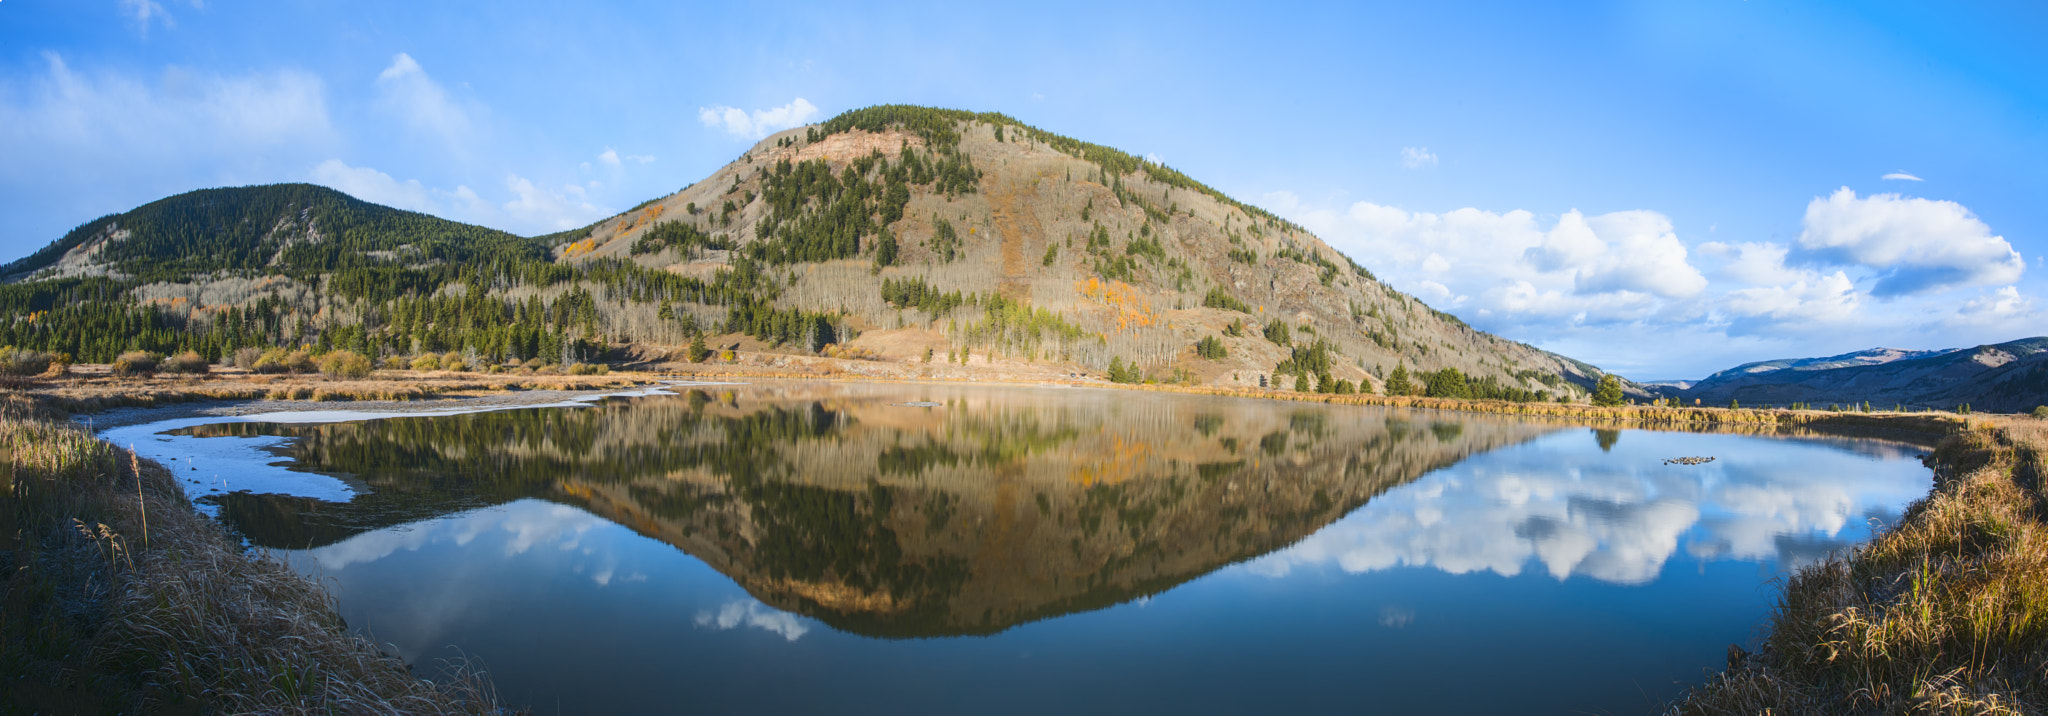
[721, 547]
[885, 520]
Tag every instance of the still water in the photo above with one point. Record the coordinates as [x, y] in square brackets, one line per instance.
[813, 547]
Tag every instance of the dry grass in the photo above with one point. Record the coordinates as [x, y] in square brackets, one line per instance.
[119, 598]
[1946, 613]
[90, 392]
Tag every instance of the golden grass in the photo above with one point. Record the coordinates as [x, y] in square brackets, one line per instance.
[1945, 613]
[118, 597]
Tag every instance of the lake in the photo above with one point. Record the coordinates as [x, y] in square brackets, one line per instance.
[799, 547]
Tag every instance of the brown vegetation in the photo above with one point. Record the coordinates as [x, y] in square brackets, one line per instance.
[1946, 613]
[118, 597]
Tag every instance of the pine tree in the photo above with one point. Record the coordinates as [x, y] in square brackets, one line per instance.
[697, 350]
[1397, 384]
[1608, 393]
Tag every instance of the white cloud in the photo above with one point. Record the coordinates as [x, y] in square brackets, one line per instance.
[548, 210]
[1918, 245]
[611, 158]
[761, 122]
[1810, 300]
[532, 209]
[2003, 307]
[1753, 263]
[137, 139]
[1901, 176]
[406, 91]
[1417, 157]
[376, 187]
[146, 12]
[1155, 158]
[1617, 267]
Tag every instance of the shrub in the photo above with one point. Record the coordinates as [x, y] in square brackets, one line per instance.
[533, 364]
[300, 361]
[396, 363]
[15, 361]
[2041, 411]
[345, 364]
[135, 363]
[426, 361]
[589, 369]
[245, 358]
[272, 361]
[188, 362]
[453, 361]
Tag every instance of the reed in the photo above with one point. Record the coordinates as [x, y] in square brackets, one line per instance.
[190, 621]
[1944, 613]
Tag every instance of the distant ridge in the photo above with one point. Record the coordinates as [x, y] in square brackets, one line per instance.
[2004, 377]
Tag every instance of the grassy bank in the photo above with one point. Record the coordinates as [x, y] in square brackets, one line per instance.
[1946, 613]
[118, 598]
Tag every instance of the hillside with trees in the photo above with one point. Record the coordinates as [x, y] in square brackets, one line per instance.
[897, 235]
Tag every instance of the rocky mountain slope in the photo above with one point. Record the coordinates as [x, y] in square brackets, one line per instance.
[2007, 377]
[898, 235]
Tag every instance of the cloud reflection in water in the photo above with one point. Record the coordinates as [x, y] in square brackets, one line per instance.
[1615, 517]
[751, 613]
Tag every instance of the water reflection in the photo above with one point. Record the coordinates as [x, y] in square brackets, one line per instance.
[992, 509]
[1617, 520]
[1205, 555]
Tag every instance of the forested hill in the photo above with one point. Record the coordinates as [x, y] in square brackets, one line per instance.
[295, 229]
[900, 235]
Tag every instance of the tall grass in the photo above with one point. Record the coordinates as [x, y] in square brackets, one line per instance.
[1945, 613]
[96, 616]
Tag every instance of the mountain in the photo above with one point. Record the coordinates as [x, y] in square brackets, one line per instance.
[903, 235]
[2006, 377]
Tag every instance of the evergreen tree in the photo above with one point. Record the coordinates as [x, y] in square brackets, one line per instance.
[1397, 384]
[1608, 393]
[697, 350]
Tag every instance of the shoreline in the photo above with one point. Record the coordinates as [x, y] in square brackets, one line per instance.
[54, 410]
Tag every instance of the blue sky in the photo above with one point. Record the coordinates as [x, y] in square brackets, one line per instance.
[1661, 188]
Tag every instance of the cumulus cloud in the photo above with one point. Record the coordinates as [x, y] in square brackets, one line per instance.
[2002, 307]
[1918, 245]
[1589, 285]
[1417, 157]
[406, 91]
[761, 122]
[1901, 176]
[1508, 266]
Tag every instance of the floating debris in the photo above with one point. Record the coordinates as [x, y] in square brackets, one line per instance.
[1688, 461]
[920, 404]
